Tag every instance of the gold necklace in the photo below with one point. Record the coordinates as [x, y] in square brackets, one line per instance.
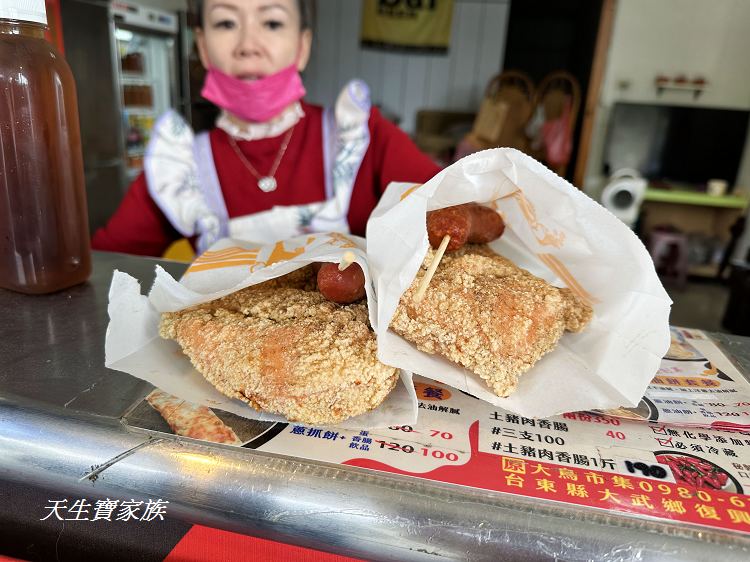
[265, 183]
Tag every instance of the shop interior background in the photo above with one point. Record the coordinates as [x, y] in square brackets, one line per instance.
[683, 59]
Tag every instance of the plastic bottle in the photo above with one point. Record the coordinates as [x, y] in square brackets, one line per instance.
[44, 239]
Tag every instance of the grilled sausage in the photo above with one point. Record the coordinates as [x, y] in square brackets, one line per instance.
[342, 287]
[486, 225]
[451, 221]
[470, 222]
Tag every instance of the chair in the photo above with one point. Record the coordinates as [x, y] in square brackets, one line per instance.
[669, 250]
[737, 313]
[558, 100]
[506, 109]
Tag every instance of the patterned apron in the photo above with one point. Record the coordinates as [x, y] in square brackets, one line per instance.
[182, 179]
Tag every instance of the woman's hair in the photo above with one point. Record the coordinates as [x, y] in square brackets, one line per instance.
[306, 12]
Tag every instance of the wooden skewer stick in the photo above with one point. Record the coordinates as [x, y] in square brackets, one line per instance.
[347, 260]
[433, 267]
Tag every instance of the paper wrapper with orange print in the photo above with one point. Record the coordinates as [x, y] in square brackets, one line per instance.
[557, 233]
[133, 344]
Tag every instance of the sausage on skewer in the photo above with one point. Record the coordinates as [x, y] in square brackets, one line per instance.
[469, 223]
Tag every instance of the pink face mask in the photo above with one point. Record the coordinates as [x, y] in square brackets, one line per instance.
[256, 101]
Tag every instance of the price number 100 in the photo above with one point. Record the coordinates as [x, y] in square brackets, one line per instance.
[648, 470]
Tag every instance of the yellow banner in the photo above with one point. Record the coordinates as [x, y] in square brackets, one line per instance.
[421, 25]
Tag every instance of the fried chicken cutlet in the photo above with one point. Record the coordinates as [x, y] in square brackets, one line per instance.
[488, 315]
[282, 347]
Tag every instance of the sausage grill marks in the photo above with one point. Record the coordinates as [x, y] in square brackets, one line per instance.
[469, 223]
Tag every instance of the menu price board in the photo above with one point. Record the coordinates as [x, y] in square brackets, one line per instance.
[696, 385]
[683, 457]
[692, 476]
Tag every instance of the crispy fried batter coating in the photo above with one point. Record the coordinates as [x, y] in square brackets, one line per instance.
[286, 350]
[488, 315]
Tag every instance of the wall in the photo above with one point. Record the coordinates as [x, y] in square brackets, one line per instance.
[403, 83]
[691, 37]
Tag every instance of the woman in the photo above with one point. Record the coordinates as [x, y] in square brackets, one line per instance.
[274, 166]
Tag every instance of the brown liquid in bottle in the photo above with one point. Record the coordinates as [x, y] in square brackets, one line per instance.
[44, 240]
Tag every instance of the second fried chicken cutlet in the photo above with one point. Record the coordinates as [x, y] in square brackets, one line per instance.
[488, 315]
[282, 347]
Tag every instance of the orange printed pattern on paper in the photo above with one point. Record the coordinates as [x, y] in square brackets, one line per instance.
[280, 253]
[571, 282]
[685, 382]
[341, 241]
[236, 256]
[544, 235]
[411, 190]
[228, 257]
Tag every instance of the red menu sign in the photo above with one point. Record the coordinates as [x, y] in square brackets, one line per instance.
[697, 476]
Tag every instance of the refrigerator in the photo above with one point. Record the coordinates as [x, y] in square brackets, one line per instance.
[130, 62]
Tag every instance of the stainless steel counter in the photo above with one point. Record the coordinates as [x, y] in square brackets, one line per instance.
[60, 428]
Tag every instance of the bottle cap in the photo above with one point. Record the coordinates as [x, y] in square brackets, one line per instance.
[23, 10]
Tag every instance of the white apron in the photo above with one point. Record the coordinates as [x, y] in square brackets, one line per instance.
[182, 180]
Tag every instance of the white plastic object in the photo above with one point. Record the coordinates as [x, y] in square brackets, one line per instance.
[624, 194]
[24, 10]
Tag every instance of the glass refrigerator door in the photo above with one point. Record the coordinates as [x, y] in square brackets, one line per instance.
[147, 82]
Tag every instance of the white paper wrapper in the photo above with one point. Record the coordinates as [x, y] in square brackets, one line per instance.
[133, 344]
[557, 233]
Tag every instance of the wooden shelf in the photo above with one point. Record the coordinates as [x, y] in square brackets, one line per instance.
[695, 198]
[695, 89]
